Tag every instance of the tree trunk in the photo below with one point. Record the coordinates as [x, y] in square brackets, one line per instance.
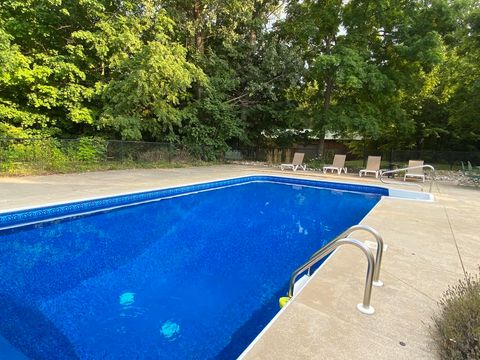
[327, 99]
[259, 19]
[198, 41]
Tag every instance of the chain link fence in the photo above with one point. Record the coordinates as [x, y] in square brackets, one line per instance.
[36, 156]
[27, 156]
[441, 160]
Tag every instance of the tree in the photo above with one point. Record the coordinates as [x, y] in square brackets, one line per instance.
[95, 65]
[462, 84]
[246, 64]
[214, 73]
[368, 66]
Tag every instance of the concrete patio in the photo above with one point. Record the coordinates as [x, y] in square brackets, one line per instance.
[430, 245]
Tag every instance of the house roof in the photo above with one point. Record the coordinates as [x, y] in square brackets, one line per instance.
[329, 135]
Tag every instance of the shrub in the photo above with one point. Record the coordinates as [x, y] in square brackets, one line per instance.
[457, 326]
[316, 163]
[40, 154]
[52, 158]
[91, 149]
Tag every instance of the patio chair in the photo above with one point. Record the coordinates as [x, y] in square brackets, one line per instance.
[470, 167]
[470, 173]
[415, 173]
[373, 166]
[297, 162]
[338, 164]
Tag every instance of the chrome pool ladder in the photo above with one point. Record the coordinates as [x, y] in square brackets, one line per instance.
[390, 172]
[373, 264]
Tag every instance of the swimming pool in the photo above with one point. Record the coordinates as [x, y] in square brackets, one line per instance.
[192, 272]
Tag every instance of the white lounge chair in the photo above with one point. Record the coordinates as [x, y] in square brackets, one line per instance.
[415, 173]
[338, 164]
[373, 166]
[469, 166]
[297, 162]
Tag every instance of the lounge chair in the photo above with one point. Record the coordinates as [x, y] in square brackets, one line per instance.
[297, 162]
[373, 166]
[470, 173]
[338, 164]
[470, 167]
[415, 173]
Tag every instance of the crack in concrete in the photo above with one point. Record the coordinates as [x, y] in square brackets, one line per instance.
[410, 286]
[455, 240]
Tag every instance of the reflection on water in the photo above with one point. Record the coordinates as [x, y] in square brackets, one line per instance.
[127, 298]
[128, 309]
[170, 330]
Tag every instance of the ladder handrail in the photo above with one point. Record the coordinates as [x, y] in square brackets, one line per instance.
[365, 306]
[378, 255]
[388, 172]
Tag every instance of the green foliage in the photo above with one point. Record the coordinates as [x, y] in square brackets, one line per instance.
[31, 156]
[91, 149]
[44, 154]
[144, 98]
[373, 76]
[215, 73]
[457, 326]
[49, 155]
[108, 67]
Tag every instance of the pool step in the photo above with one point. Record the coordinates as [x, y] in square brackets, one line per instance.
[300, 283]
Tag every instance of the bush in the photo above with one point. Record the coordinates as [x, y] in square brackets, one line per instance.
[19, 158]
[457, 326]
[91, 149]
[48, 155]
[316, 163]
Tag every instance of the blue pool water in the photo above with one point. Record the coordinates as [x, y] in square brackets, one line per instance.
[191, 277]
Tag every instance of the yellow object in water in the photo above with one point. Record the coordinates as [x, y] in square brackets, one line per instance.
[283, 301]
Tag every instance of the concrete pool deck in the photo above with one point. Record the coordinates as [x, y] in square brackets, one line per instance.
[430, 245]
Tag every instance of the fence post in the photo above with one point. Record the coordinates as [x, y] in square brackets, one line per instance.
[364, 154]
[105, 157]
[276, 156]
[288, 155]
